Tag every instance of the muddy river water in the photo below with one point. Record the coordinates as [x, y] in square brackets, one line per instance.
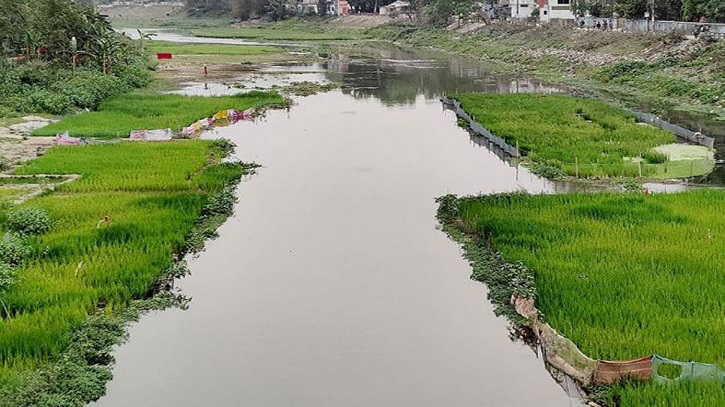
[332, 284]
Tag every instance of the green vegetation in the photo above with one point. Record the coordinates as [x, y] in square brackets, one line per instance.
[652, 78]
[58, 57]
[307, 88]
[191, 54]
[621, 275]
[210, 49]
[313, 29]
[112, 237]
[120, 115]
[563, 134]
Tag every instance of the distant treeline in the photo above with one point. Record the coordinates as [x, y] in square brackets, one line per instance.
[438, 12]
[674, 10]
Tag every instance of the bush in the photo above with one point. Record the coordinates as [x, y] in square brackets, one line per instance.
[39, 87]
[13, 250]
[88, 89]
[40, 100]
[29, 221]
[7, 276]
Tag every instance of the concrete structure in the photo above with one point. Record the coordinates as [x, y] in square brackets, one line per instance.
[522, 8]
[334, 7]
[555, 10]
[306, 6]
[338, 7]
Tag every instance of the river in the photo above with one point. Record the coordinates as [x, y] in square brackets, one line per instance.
[332, 285]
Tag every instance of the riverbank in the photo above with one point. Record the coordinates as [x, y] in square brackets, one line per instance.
[116, 233]
[622, 276]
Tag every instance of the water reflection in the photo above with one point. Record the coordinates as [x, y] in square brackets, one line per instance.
[397, 77]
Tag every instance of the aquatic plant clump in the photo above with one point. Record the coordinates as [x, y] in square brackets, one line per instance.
[621, 275]
[118, 231]
[576, 136]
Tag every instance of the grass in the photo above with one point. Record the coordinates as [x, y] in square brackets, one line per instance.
[154, 194]
[621, 275]
[7, 195]
[138, 111]
[271, 34]
[294, 29]
[556, 132]
[210, 49]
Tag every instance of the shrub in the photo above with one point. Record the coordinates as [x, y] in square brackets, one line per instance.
[7, 276]
[12, 249]
[29, 221]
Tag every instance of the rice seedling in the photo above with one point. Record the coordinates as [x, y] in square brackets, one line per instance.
[622, 275]
[114, 234]
[119, 116]
[579, 137]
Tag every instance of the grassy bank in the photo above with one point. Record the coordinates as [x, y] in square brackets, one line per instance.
[271, 34]
[585, 137]
[215, 54]
[120, 115]
[113, 237]
[623, 276]
[294, 29]
[210, 49]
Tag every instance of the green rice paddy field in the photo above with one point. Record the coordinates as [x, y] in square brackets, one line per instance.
[622, 275]
[275, 33]
[141, 111]
[557, 131]
[153, 194]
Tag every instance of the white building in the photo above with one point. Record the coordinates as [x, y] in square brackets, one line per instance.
[555, 9]
[522, 8]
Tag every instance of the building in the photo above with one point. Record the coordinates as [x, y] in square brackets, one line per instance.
[338, 7]
[522, 8]
[334, 7]
[555, 10]
[305, 7]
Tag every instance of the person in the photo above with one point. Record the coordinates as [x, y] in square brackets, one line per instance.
[581, 23]
[606, 25]
[597, 25]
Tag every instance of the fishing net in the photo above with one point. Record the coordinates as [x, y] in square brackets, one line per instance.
[688, 371]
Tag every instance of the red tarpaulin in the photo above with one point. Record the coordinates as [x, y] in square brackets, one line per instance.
[163, 55]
